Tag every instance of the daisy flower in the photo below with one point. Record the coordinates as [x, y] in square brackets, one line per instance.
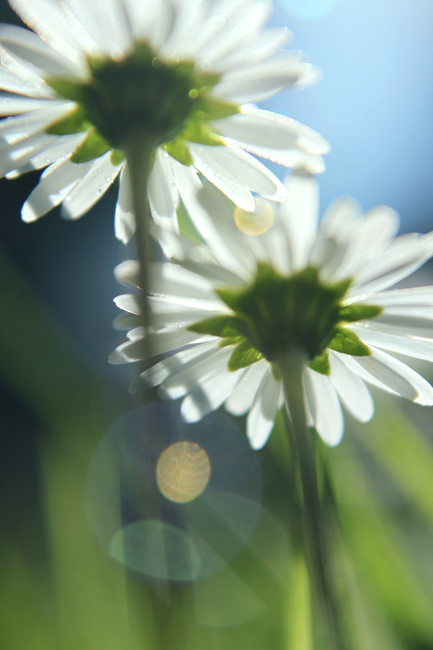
[271, 283]
[164, 86]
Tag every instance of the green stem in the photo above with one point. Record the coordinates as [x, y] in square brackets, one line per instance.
[139, 150]
[291, 367]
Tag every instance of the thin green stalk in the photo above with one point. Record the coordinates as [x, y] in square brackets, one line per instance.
[139, 150]
[291, 367]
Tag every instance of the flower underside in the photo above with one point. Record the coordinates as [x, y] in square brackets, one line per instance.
[166, 102]
[276, 315]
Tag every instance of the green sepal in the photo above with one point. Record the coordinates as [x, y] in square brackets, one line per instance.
[353, 313]
[224, 326]
[94, 146]
[276, 372]
[66, 88]
[178, 150]
[243, 355]
[117, 157]
[231, 297]
[347, 342]
[75, 122]
[201, 133]
[211, 109]
[321, 363]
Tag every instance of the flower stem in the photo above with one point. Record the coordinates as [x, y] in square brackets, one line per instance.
[291, 367]
[139, 150]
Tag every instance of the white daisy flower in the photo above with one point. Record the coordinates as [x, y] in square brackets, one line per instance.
[99, 83]
[273, 282]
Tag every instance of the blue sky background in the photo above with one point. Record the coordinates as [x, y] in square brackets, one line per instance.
[375, 101]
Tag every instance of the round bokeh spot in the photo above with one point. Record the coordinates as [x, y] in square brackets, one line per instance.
[257, 222]
[183, 471]
[173, 501]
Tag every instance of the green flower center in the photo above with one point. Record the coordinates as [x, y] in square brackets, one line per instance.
[166, 101]
[275, 315]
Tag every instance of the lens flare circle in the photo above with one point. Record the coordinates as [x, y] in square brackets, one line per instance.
[183, 471]
[172, 501]
[257, 222]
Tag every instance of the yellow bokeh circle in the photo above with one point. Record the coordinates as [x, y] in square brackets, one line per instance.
[183, 471]
[257, 222]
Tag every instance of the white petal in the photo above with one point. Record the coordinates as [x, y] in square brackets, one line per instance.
[233, 168]
[13, 129]
[91, 188]
[262, 81]
[54, 186]
[326, 409]
[367, 239]
[209, 395]
[213, 219]
[124, 218]
[404, 256]
[47, 20]
[218, 19]
[16, 79]
[128, 273]
[182, 382]
[157, 343]
[173, 280]
[242, 397]
[275, 137]
[173, 365]
[142, 16]
[245, 21]
[419, 349]
[417, 296]
[130, 302]
[28, 49]
[188, 22]
[258, 48]
[223, 179]
[14, 104]
[351, 390]
[18, 154]
[160, 198]
[299, 215]
[397, 376]
[61, 149]
[339, 218]
[261, 417]
[104, 23]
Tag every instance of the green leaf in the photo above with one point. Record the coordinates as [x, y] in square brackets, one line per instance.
[93, 147]
[321, 363]
[347, 342]
[75, 122]
[243, 355]
[353, 313]
[224, 326]
[199, 132]
[178, 150]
